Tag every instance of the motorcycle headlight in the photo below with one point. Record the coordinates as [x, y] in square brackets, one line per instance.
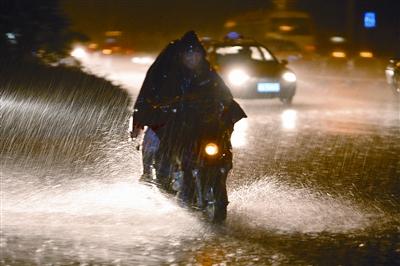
[389, 76]
[211, 149]
[389, 72]
[289, 77]
[238, 77]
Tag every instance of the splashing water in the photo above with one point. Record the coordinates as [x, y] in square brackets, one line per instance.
[274, 206]
[94, 220]
[69, 192]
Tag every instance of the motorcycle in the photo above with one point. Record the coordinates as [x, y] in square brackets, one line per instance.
[205, 177]
[392, 72]
[196, 172]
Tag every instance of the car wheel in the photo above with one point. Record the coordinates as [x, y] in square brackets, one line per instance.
[287, 100]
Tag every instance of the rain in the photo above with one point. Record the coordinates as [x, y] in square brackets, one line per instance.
[314, 182]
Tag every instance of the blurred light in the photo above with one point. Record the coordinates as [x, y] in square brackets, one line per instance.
[238, 77]
[289, 118]
[366, 54]
[233, 35]
[230, 24]
[142, 60]
[292, 58]
[286, 28]
[107, 51]
[389, 72]
[206, 39]
[309, 48]
[113, 33]
[289, 77]
[211, 149]
[111, 40]
[78, 53]
[93, 46]
[10, 35]
[116, 49]
[369, 20]
[337, 39]
[339, 54]
[239, 135]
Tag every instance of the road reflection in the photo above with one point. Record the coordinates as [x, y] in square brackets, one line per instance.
[289, 119]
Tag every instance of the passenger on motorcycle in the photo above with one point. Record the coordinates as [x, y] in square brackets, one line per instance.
[181, 98]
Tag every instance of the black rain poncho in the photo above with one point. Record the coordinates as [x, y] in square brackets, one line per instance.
[174, 100]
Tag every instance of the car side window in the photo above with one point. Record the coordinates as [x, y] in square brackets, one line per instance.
[228, 50]
[267, 55]
[256, 54]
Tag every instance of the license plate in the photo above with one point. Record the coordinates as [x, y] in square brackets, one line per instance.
[268, 87]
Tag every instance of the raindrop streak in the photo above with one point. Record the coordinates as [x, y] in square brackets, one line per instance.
[69, 189]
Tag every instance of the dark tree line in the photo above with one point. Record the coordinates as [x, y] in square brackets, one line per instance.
[34, 28]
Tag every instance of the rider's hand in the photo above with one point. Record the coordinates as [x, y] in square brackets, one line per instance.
[135, 132]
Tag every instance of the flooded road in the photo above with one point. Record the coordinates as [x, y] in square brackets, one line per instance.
[314, 183]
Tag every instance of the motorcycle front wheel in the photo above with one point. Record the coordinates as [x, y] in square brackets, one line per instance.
[215, 209]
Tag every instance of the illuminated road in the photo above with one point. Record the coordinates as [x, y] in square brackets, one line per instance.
[314, 183]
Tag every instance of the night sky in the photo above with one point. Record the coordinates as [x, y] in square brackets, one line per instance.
[148, 24]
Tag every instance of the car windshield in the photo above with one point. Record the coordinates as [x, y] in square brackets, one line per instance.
[239, 52]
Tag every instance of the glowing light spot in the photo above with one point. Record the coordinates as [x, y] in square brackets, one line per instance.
[337, 39]
[93, 46]
[369, 19]
[289, 118]
[107, 51]
[211, 149]
[79, 53]
[11, 35]
[339, 54]
[230, 24]
[286, 28]
[238, 77]
[366, 54]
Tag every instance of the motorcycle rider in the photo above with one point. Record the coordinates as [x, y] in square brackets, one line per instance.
[180, 90]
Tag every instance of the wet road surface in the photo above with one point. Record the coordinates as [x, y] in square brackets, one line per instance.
[317, 182]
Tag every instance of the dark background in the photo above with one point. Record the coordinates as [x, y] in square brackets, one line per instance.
[147, 25]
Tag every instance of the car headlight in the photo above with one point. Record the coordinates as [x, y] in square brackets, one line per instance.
[211, 149]
[238, 77]
[289, 77]
[78, 53]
